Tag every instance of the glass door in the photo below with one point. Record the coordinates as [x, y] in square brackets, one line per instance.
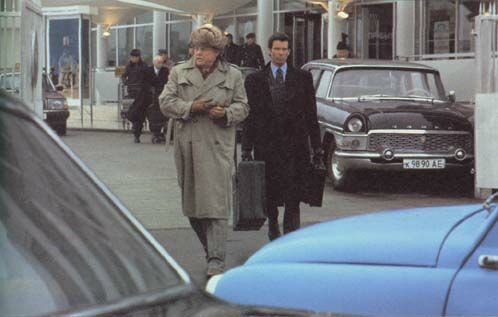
[305, 30]
[376, 31]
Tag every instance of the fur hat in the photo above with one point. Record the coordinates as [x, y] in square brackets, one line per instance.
[208, 35]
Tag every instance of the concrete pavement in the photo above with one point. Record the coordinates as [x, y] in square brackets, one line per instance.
[143, 176]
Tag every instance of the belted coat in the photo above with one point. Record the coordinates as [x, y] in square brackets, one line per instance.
[204, 148]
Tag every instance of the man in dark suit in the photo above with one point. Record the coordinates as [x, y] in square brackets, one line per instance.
[282, 123]
[156, 76]
[251, 54]
[231, 51]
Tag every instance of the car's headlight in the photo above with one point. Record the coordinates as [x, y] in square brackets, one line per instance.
[355, 124]
[56, 104]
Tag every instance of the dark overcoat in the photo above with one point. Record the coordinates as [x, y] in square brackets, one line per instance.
[153, 86]
[282, 141]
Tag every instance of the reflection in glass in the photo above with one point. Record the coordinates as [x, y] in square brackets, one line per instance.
[125, 37]
[440, 27]
[64, 54]
[467, 11]
[64, 245]
[179, 38]
[144, 42]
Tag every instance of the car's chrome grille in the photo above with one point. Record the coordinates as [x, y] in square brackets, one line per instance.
[427, 143]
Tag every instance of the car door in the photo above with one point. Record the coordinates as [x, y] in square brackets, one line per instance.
[474, 290]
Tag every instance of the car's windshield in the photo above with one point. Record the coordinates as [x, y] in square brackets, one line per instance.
[386, 82]
[63, 243]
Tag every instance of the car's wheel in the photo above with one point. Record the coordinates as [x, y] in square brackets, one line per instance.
[339, 176]
[61, 129]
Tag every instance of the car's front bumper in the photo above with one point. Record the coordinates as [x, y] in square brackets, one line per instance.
[374, 161]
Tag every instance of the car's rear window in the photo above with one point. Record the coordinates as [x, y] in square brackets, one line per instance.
[63, 243]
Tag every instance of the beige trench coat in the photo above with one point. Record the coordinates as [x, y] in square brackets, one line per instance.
[204, 149]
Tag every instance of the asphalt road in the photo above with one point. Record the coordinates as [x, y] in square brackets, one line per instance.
[143, 176]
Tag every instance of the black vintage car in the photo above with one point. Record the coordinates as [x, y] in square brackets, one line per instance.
[383, 115]
[68, 247]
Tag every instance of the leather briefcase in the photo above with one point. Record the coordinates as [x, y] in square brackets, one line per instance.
[249, 196]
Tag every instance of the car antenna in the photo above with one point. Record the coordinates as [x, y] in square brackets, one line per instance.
[489, 201]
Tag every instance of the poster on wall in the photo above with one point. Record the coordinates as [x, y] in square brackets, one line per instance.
[441, 37]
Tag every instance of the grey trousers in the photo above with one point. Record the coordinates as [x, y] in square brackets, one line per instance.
[212, 234]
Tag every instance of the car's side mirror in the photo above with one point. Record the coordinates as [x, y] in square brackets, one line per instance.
[452, 96]
[59, 88]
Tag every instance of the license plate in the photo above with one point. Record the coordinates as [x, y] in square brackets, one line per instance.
[424, 163]
[44, 116]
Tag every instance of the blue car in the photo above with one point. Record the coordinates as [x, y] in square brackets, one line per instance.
[440, 261]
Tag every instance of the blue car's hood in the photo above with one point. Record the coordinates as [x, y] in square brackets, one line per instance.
[403, 237]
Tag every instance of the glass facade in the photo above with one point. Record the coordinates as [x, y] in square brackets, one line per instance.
[179, 39]
[143, 42]
[125, 44]
[445, 26]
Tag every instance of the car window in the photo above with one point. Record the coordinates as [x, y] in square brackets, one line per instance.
[315, 72]
[63, 243]
[388, 82]
[323, 85]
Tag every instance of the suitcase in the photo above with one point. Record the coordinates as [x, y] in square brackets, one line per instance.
[249, 196]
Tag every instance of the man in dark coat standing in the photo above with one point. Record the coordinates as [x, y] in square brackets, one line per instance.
[251, 53]
[134, 78]
[156, 76]
[231, 51]
[282, 123]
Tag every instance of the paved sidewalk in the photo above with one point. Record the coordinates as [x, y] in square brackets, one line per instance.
[143, 176]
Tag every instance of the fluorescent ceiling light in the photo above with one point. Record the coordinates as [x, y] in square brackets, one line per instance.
[343, 15]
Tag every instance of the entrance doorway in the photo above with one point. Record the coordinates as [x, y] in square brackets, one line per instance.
[305, 30]
[377, 31]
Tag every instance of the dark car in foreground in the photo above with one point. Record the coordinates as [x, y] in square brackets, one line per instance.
[383, 115]
[437, 261]
[69, 248]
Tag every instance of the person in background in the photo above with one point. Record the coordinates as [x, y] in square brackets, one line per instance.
[156, 76]
[280, 128]
[168, 63]
[232, 51]
[133, 78]
[343, 50]
[251, 53]
[206, 98]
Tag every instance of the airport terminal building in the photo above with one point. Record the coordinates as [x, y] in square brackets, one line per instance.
[93, 39]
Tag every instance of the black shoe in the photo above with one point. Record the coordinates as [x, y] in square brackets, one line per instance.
[273, 231]
[137, 139]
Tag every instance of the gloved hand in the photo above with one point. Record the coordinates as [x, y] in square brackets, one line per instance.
[201, 105]
[246, 156]
[318, 158]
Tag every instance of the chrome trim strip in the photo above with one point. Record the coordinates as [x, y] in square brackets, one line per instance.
[101, 186]
[328, 125]
[415, 131]
[370, 155]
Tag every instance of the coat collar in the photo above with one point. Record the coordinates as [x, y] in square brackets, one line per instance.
[194, 76]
